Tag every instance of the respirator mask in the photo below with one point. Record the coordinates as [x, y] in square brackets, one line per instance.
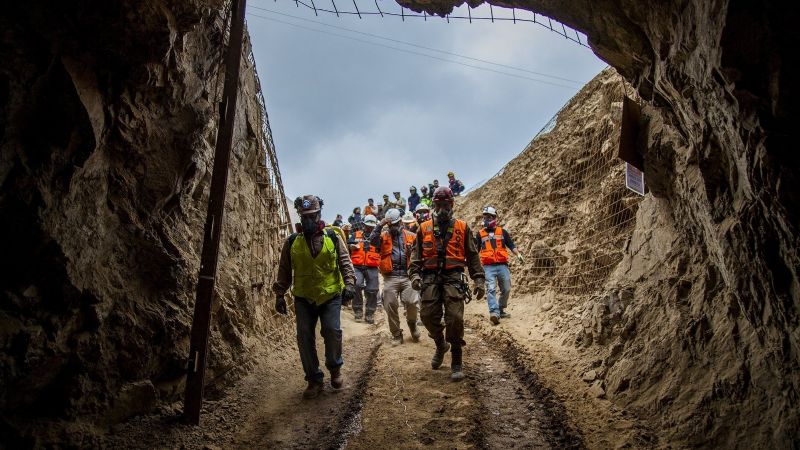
[310, 223]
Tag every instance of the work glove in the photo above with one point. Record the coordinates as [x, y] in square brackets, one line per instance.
[348, 295]
[416, 284]
[280, 305]
[479, 290]
[520, 258]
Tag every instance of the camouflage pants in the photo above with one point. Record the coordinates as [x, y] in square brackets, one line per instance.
[433, 306]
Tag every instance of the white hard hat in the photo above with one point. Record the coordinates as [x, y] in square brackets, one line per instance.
[408, 217]
[422, 207]
[393, 215]
[370, 220]
[489, 210]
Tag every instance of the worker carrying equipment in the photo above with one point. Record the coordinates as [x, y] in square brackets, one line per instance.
[495, 243]
[443, 249]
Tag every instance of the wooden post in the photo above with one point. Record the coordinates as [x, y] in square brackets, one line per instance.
[201, 321]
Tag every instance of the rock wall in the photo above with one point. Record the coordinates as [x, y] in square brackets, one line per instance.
[576, 213]
[108, 126]
[710, 350]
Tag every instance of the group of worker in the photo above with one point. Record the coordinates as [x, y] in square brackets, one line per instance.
[408, 207]
[423, 264]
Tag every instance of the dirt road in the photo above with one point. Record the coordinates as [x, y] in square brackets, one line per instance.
[392, 398]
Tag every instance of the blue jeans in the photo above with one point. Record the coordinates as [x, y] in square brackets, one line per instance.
[497, 274]
[328, 314]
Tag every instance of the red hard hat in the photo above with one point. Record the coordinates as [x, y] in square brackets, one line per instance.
[443, 194]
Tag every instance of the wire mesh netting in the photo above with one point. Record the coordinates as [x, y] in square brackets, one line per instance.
[272, 221]
[566, 191]
[575, 248]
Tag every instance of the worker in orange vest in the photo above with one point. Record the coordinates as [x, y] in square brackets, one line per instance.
[395, 244]
[444, 248]
[495, 243]
[366, 259]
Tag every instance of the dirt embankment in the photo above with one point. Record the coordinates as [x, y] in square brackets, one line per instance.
[108, 121]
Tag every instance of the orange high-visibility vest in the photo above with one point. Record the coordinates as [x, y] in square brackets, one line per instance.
[361, 257]
[386, 249]
[455, 253]
[370, 210]
[493, 255]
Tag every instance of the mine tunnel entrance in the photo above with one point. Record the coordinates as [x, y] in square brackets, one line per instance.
[663, 320]
[573, 267]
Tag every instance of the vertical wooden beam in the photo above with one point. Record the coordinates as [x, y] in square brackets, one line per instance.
[201, 322]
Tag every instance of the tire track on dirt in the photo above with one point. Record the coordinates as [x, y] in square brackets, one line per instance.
[348, 424]
[555, 424]
[492, 408]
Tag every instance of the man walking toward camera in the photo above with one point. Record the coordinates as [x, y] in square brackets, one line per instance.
[444, 248]
[316, 263]
[395, 245]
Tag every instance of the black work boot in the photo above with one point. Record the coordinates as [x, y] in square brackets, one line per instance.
[438, 356]
[412, 326]
[455, 365]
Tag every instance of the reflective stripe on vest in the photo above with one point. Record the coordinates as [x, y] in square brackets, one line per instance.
[493, 255]
[316, 279]
[361, 257]
[455, 253]
[386, 249]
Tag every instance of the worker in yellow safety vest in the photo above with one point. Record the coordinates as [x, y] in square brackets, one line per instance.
[315, 263]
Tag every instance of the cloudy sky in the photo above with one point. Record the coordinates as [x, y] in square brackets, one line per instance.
[353, 119]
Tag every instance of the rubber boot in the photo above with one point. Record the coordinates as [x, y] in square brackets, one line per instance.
[455, 364]
[412, 326]
[438, 356]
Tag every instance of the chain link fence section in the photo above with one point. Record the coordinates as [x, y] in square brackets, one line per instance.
[578, 241]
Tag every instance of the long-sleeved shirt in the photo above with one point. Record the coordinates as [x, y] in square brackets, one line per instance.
[508, 242]
[413, 201]
[399, 203]
[399, 250]
[283, 281]
[456, 186]
[471, 254]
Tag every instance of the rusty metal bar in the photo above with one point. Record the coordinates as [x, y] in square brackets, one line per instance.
[201, 322]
